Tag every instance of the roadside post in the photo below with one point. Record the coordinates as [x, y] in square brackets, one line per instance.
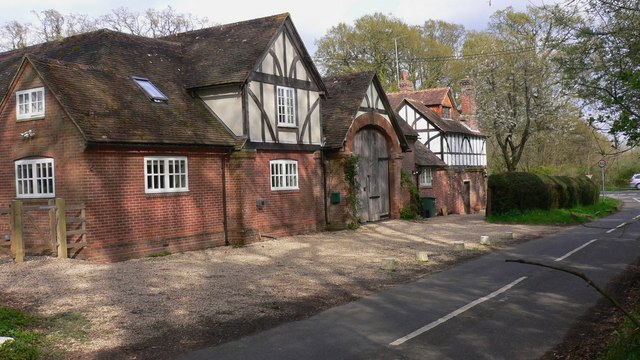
[602, 164]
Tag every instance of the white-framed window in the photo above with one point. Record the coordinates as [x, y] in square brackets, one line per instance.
[30, 103]
[286, 106]
[35, 178]
[426, 178]
[284, 174]
[166, 174]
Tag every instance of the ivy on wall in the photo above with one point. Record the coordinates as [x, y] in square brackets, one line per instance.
[351, 177]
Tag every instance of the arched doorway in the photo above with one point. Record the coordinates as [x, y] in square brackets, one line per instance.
[370, 145]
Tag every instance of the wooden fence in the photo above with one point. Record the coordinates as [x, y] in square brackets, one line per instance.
[64, 222]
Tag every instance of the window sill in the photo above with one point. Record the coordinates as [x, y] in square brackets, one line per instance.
[287, 126]
[287, 189]
[35, 117]
[167, 193]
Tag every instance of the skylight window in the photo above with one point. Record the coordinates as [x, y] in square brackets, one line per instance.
[151, 90]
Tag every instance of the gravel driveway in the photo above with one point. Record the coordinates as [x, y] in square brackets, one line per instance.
[162, 306]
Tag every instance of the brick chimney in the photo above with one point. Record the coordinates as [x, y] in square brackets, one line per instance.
[405, 83]
[468, 103]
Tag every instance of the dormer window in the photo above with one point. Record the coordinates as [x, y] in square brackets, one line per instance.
[151, 90]
[30, 104]
[446, 112]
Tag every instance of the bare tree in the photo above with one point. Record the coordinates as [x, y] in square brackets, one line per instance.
[168, 22]
[124, 20]
[51, 25]
[15, 35]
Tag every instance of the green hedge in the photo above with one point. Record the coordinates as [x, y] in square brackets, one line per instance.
[523, 191]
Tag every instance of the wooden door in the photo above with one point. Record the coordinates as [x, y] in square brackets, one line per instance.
[467, 197]
[373, 174]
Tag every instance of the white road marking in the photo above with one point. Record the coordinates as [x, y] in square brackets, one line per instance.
[616, 228]
[455, 313]
[575, 250]
[636, 217]
[636, 199]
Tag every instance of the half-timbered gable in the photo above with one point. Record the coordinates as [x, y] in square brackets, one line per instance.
[267, 90]
[284, 95]
[451, 140]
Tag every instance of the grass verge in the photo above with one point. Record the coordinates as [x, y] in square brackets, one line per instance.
[625, 344]
[38, 338]
[574, 215]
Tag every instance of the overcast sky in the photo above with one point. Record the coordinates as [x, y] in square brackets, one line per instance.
[312, 21]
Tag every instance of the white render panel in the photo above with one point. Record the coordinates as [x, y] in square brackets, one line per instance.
[287, 137]
[268, 64]
[267, 92]
[227, 105]
[316, 133]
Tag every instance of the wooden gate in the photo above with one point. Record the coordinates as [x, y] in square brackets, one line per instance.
[373, 174]
[64, 222]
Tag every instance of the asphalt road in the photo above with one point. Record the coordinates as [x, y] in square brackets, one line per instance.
[483, 309]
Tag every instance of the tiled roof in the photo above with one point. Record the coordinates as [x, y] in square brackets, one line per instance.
[450, 126]
[428, 97]
[91, 77]
[344, 97]
[226, 53]
[424, 156]
[111, 108]
[407, 130]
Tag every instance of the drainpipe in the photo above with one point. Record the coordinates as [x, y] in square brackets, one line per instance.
[224, 196]
[324, 187]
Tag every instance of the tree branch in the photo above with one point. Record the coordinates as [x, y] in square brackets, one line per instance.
[585, 278]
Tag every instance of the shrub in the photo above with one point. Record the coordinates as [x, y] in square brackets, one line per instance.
[521, 191]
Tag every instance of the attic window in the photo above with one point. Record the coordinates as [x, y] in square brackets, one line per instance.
[446, 112]
[150, 89]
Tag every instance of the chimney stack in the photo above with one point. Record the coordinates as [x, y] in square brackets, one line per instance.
[405, 83]
[468, 103]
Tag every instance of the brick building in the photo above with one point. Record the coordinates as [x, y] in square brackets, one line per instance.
[195, 140]
[191, 141]
[450, 150]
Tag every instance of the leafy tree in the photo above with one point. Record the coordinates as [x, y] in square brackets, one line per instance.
[602, 63]
[388, 45]
[518, 94]
[368, 45]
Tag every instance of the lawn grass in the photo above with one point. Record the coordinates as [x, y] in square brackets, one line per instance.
[39, 338]
[574, 215]
[21, 327]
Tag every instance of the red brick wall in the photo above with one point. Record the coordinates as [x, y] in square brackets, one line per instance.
[122, 221]
[285, 212]
[55, 137]
[336, 213]
[448, 189]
